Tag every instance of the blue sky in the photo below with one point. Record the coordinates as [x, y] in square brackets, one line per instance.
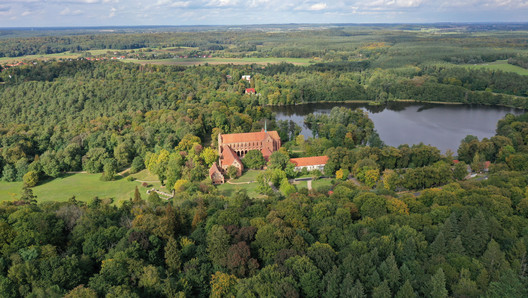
[36, 13]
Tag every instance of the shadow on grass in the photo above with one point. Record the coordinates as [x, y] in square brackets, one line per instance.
[49, 179]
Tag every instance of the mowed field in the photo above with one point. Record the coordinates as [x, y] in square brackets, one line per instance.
[503, 66]
[217, 61]
[83, 186]
[251, 187]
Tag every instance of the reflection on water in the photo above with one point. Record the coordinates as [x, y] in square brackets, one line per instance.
[399, 123]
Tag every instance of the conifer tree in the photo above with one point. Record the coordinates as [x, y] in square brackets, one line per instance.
[172, 256]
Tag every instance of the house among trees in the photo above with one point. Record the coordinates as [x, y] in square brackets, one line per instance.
[251, 91]
[309, 163]
[246, 77]
[216, 175]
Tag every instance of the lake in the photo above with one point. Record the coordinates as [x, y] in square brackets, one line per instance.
[439, 125]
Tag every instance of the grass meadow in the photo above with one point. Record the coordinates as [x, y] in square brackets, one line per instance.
[503, 66]
[83, 186]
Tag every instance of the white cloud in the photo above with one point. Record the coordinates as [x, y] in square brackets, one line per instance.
[83, 1]
[393, 3]
[317, 6]
[112, 12]
[180, 4]
[68, 12]
[489, 4]
[26, 13]
[222, 3]
[172, 3]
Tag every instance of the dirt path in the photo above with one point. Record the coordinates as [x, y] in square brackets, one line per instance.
[309, 184]
[239, 183]
[123, 172]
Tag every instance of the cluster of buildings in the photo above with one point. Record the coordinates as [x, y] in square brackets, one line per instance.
[233, 147]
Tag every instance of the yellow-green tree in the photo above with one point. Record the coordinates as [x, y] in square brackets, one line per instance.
[371, 177]
[223, 285]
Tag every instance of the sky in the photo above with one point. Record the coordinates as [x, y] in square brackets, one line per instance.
[79, 13]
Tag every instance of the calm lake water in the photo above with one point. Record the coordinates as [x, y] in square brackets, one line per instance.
[442, 126]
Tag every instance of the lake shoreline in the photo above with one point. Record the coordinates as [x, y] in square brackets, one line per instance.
[375, 103]
[411, 122]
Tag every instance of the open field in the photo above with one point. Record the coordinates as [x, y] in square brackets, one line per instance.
[174, 61]
[83, 186]
[216, 61]
[248, 176]
[503, 66]
[315, 183]
[146, 176]
[251, 188]
[66, 55]
[321, 182]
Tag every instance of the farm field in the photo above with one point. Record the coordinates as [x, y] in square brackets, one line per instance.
[503, 66]
[217, 61]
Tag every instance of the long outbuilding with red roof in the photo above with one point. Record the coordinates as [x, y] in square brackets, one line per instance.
[310, 163]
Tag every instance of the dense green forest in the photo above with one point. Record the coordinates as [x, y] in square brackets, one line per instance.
[465, 239]
[67, 114]
[409, 223]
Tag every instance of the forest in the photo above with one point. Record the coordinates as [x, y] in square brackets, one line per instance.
[410, 224]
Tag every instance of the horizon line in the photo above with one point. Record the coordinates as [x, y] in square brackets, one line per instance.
[266, 24]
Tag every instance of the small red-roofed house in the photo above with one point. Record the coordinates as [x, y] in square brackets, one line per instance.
[251, 91]
[216, 175]
[486, 166]
[455, 161]
[310, 163]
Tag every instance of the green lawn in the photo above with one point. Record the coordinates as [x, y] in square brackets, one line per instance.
[502, 65]
[251, 175]
[83, 186]
[229, 189]
[66, 55]
[301, 184]
[315, 183]
[321, 182]
[150, 178]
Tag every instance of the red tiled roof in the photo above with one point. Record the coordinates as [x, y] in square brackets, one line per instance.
[249, 137]
[487, 164]
[309, 161]
[455, 161]
[266, 153]
[251, 90]
[229, 156]
[213, 169]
